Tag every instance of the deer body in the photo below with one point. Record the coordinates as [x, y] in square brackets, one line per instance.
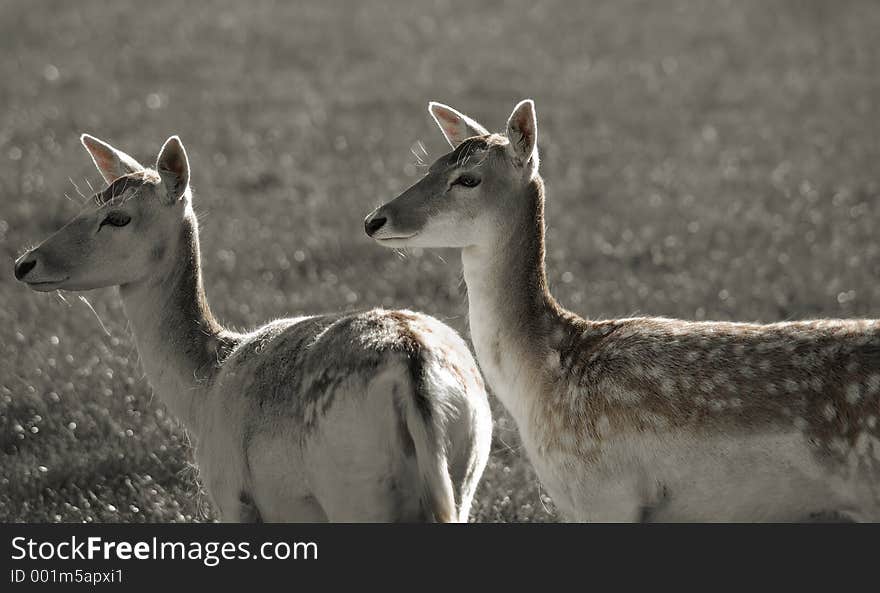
[373, 416]
[643, 418]
[313, 419]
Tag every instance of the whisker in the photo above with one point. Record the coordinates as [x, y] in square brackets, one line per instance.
[419, 151]
[508, 447]
[90, 186]
[76, 187]
[412, 149]
[419, 160]
[61, 296]
[541, 498]
[133, 347]
[89, 305]
[133, 194]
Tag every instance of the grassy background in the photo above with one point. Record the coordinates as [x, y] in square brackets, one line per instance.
[714, 159]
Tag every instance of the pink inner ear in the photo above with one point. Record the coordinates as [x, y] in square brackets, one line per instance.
[105, 161]
[522, 122]
[451, 121]
[447, 117]
[173, 163]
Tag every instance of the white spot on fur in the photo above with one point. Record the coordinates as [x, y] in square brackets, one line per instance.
[853, 393]
[839, 446]
[831, 350]
[873, 383]
[603, 425]
[567, 440]
[558, 335]
[623, 395]
[654, 420]
[861, 444]
[810, 360]
[829, 412]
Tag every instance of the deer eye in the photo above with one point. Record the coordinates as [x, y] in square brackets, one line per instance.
[116, 219]
[467, 180]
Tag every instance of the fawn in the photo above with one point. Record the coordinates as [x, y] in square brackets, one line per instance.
[374, 416]
[642, 418]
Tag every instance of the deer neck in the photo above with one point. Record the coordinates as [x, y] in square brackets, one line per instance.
[513, 316]
[179, 342]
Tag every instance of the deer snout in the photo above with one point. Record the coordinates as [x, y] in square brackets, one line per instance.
[373, 222]
[25, 264]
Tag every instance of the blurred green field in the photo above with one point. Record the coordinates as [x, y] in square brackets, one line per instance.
[715, 159]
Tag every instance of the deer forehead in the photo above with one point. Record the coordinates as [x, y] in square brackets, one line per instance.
[126, 187]
[472, 151]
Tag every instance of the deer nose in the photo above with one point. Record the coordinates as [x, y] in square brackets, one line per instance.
[374, 223]
[24, 265]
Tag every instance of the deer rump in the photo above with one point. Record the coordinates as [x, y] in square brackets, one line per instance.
[355, 420]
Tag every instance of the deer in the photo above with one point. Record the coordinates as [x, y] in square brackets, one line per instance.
[375, 416]
[642, 418]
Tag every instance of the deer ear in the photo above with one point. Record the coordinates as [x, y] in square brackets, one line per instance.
[112, 163]
[456, 126]
[173, 168]
[522, 131]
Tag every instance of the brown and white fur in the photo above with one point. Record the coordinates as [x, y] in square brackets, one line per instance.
[643, 418]
[376, 416]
